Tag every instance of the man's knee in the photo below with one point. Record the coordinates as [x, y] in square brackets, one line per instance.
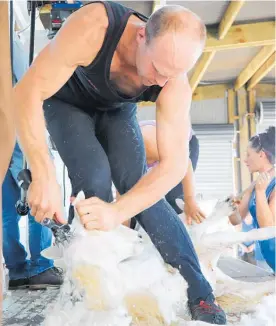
[128, 178]
[94, 183]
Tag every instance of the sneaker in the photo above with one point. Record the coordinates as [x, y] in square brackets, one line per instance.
[22, 283]
[51, 278]
[208, 311]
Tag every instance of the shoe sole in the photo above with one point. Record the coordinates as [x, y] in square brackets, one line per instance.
[43, 286]
[21, 287]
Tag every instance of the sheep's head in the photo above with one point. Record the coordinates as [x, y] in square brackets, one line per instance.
[217, 213]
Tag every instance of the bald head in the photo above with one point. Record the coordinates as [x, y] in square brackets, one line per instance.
[178, 20]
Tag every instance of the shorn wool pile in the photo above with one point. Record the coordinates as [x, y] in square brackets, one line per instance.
[118, 278]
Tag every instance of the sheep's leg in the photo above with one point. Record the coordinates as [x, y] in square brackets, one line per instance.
[224, 239]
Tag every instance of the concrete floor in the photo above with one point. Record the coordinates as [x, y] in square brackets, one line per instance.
[26, 308]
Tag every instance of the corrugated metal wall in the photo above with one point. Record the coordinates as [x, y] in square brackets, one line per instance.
[209, 111]
[215, 172]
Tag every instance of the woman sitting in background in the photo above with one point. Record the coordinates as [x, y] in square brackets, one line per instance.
[259, 199]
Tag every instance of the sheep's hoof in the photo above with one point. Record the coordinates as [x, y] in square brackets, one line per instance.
[171, 269]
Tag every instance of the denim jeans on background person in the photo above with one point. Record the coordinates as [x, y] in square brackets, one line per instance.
[40, 237]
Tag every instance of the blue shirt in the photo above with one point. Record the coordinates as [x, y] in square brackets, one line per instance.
[267, 246]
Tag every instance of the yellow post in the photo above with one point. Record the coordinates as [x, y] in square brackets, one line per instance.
[7, 131]
[243, 136]
[252, 121]
[231, 105]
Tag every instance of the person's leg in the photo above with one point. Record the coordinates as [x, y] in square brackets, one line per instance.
[14, 253]
[73, 132]
[194, 151]
[40, 237]
[122, 140]
[177, 191]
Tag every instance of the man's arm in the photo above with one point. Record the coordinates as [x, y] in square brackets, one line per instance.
[191, 209]
[77, 43]
[173, 128]
[188, 183]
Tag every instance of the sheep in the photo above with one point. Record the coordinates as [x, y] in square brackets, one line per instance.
[214, 237]
[115, 278]
[112, 285]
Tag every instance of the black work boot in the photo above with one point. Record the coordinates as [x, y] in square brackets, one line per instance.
[22, 283]
[208, 311]
[51, 278]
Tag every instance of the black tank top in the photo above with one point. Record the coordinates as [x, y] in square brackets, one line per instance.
[90, 87]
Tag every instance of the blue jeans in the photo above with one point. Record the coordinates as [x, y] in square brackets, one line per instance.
[105, 145]
[39, 237]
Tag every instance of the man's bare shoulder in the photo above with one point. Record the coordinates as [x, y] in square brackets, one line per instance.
[90, 16]
[84, 33]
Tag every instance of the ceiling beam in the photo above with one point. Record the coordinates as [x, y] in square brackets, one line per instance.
[242, 36]
[262, 71]
[206, 58]
[265, 90]
[229, 17]
[254, 65]
[201, 93]
[209, 92]
[200, 68]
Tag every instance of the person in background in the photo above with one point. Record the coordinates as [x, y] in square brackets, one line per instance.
[38, 272]
[259, 199]
[184, 190]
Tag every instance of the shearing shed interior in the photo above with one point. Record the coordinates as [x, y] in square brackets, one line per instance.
[120, 276]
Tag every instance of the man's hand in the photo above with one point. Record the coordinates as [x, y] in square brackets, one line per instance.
[45, 201]
[95, 214]
[193, 212]
[262, 182]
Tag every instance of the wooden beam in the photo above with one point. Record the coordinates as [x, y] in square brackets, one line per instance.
[252, 104]
[207, 57]
[231, 101]
[201, 93]
[243, 136]
[200, 68]
[241, 36]
[254, 65]
[7, 131]
[156, 5]
[210, 92]
[252, 121]
[265, 90]
[229, 17]
[262, 71]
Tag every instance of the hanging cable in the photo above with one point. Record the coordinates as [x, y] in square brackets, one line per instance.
[11, 38]
[24, 177]
[32, 31]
